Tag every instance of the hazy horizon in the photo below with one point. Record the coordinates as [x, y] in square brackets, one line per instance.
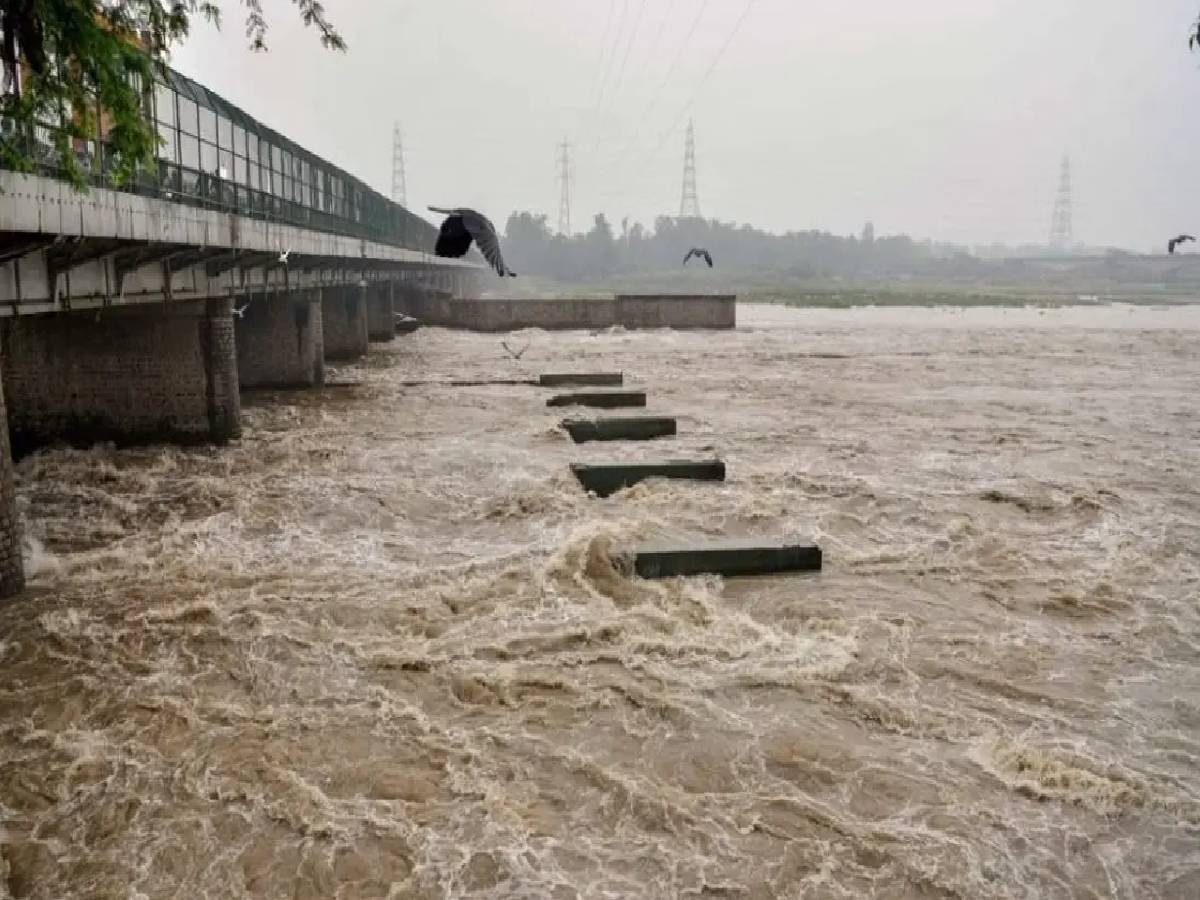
[935, 120]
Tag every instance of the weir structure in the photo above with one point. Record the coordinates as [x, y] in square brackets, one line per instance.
[136, 312]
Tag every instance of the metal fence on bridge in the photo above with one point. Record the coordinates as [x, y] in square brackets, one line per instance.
[214, 155]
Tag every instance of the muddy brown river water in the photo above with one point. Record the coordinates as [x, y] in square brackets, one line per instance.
[384, 647]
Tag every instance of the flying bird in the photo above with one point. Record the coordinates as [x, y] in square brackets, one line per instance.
[699, 252]
[463, 226]
[283, 257]
[240, 311]
[1174, 242]
[515, 354]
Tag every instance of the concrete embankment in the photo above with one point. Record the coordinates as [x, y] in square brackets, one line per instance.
[701, 311]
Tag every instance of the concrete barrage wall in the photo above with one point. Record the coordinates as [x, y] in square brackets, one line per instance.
[626, 310]
[134, 375]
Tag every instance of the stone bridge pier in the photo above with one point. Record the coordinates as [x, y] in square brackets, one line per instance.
[280, 340]
[132, 375]
[381, 311]
[344, 321]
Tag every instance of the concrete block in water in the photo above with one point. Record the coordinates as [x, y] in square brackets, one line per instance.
[634, 428]
[748, 557]
[406, 324]
[594, 379]
[607, 478]
[601, 399]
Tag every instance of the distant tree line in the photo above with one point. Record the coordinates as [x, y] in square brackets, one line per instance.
[604, 251]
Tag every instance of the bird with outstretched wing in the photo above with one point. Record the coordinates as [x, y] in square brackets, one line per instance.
[515, 354]
[1176, 241]
[698, 252]
[460, 228]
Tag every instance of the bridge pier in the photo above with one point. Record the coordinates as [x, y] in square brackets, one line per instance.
[381, 312]
[280, 341]
[131, 375]
[344, 322]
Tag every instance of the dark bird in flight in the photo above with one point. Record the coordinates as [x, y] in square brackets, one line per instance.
[463, 226]
[700, 252]
[1174, 242]
[515, 354]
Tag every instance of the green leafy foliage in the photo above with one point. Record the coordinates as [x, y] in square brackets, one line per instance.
[80, 71]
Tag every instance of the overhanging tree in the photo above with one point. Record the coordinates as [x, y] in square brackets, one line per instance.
[81, 70]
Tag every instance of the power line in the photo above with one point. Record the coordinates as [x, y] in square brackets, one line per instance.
[612, 4]
[707, 73]
[653, 154]
[613, 55]
[603, 110]
[637, 23]
[675, 64]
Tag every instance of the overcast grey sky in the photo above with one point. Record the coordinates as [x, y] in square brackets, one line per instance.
[939, 118]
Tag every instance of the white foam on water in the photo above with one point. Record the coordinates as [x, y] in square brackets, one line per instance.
[385, 646]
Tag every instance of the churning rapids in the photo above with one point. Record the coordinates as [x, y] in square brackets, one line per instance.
[384, 647]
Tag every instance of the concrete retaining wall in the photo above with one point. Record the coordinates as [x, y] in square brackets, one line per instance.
[628, 311]
[279, 341]
[135, 375]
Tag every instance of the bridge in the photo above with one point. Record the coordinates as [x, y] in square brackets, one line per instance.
[136, 312]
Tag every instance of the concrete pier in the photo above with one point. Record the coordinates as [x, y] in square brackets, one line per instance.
[344, 322]
[280, 342]
[634, 428]
[747, 557]
[582, 379]
[381, 313]
[131, 375]
[600, 399]
[608, 478]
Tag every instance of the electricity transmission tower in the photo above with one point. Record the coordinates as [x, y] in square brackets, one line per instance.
[399, 188]
[689, 204]
[1061, 237]
[564, 197]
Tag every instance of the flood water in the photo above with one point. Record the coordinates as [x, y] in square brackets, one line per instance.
[384, 647]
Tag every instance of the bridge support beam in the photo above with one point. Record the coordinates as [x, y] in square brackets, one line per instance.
[12, 569]
[131, 375]
[381, 314]
[280, 341]
[344, 322]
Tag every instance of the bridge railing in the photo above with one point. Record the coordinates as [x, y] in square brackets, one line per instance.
[214, 155]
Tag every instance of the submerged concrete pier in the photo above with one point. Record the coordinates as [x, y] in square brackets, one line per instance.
[607, 478]
[730, 558]
[600, 399]
[582, 379]
[632, 428]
